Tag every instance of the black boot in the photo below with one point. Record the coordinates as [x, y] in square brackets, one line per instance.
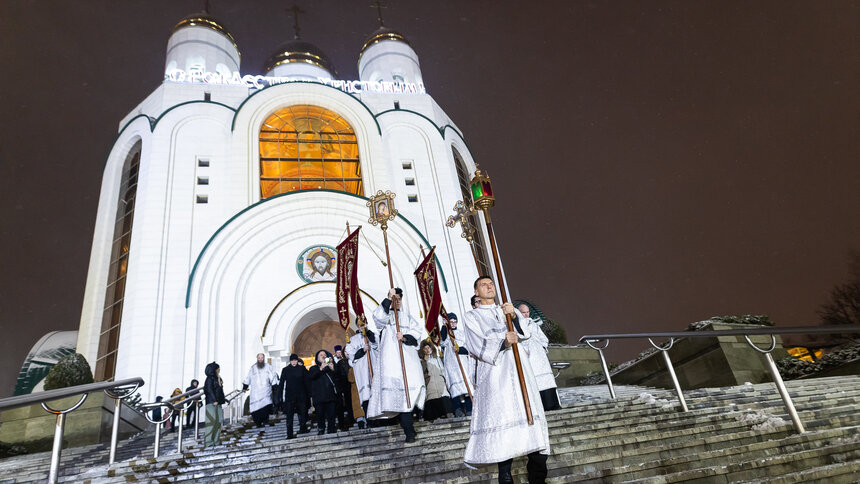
[537, 468]
[505, 472]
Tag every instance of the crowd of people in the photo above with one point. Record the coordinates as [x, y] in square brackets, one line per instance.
[401, 375]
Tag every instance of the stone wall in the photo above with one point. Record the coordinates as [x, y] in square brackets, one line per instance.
[582, 360]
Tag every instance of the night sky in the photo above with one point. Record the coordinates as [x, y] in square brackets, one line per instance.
[655, 163]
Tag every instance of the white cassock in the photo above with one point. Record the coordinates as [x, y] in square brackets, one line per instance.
[453, 375]
[260, 382]
[499, 429]
[537, 348]
[359, 365]
[387, 395]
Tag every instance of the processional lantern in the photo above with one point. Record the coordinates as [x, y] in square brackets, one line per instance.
[482, 192]
[483, 199]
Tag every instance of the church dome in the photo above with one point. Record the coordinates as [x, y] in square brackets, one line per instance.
[203, 19]
[381, 34]
[200, 42]
[387, 56]
[298, 58]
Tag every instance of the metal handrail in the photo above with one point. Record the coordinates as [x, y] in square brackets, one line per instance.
[591, 339]
[118, 390]
[180, 404]
[48, 395]
[727, 332]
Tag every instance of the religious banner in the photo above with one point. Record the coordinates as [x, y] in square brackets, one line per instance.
[347, 279]
[431, 298]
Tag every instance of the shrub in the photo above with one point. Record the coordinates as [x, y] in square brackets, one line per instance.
[71, 370]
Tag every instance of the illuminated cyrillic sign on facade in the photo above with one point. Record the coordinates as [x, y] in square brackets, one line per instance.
[196, 76]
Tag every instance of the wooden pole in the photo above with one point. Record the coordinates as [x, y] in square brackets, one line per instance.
[444, 314]
[396, 317]
[503, 293]
[364, 329]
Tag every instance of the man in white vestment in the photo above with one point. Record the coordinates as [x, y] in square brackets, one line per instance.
[453, 350]
[538, 357]
[260, 380]
[357, 351]
[387, 392]
[499, 429]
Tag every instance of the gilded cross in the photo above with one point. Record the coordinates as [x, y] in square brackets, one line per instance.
[294, 12]
[379, 6]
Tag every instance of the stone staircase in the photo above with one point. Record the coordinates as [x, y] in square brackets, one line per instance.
[733, 434]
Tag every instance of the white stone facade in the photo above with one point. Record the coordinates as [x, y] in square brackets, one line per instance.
[218, 280]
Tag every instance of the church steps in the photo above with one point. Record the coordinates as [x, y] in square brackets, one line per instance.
[392, 439]
[762, 469]
[455, 456]
[638, 440]
[841, 473]
[629, 467]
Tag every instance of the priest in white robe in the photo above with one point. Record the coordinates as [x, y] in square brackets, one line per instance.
[260, 380]
[499, 429]
[539, 358]
[452, 351]
[387, 391]
[358, 351]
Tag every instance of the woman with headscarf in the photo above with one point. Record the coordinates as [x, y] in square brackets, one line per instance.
[438, 401]
[175, 414]
[323, 391]
[213, 389]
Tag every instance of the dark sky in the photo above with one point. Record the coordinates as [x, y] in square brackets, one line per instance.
[655, 163]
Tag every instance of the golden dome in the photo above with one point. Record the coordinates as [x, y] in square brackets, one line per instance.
[299, 51]
[383, 33]
[209, 22]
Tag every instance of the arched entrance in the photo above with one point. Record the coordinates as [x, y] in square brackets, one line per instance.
[323, 335]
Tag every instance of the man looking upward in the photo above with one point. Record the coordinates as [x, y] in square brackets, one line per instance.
[499, 430]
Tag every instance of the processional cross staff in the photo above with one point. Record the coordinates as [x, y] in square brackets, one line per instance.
[461, 216]
[482, 194]
[381, 212]
[444, 313]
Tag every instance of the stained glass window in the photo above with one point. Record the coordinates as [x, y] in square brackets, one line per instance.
[308, 147]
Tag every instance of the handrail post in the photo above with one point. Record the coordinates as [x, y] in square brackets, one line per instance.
[118, 394]
[671, 368]
[157, 440]
[57, 449]
[181, 422]
[114, 431]
[197, 408]
[780, 385]
[604, 365]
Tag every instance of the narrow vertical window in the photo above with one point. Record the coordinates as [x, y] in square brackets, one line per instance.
[115, 291]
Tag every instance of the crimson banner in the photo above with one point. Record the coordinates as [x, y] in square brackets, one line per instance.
[347, 279]
[431, 298]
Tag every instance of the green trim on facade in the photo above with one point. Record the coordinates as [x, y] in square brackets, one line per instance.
[246, 209]
[233, 126]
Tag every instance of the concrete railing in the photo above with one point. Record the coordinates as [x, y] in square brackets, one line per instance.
[600, 342]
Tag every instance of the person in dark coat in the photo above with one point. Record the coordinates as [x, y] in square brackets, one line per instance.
[213, 389]
[323, 391]
[292, 392]
[191, 412]
[343, 403]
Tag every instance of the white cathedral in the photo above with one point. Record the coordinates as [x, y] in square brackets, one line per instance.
[225, 195]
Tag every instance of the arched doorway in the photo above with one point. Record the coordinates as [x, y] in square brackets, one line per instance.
[323, 335]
